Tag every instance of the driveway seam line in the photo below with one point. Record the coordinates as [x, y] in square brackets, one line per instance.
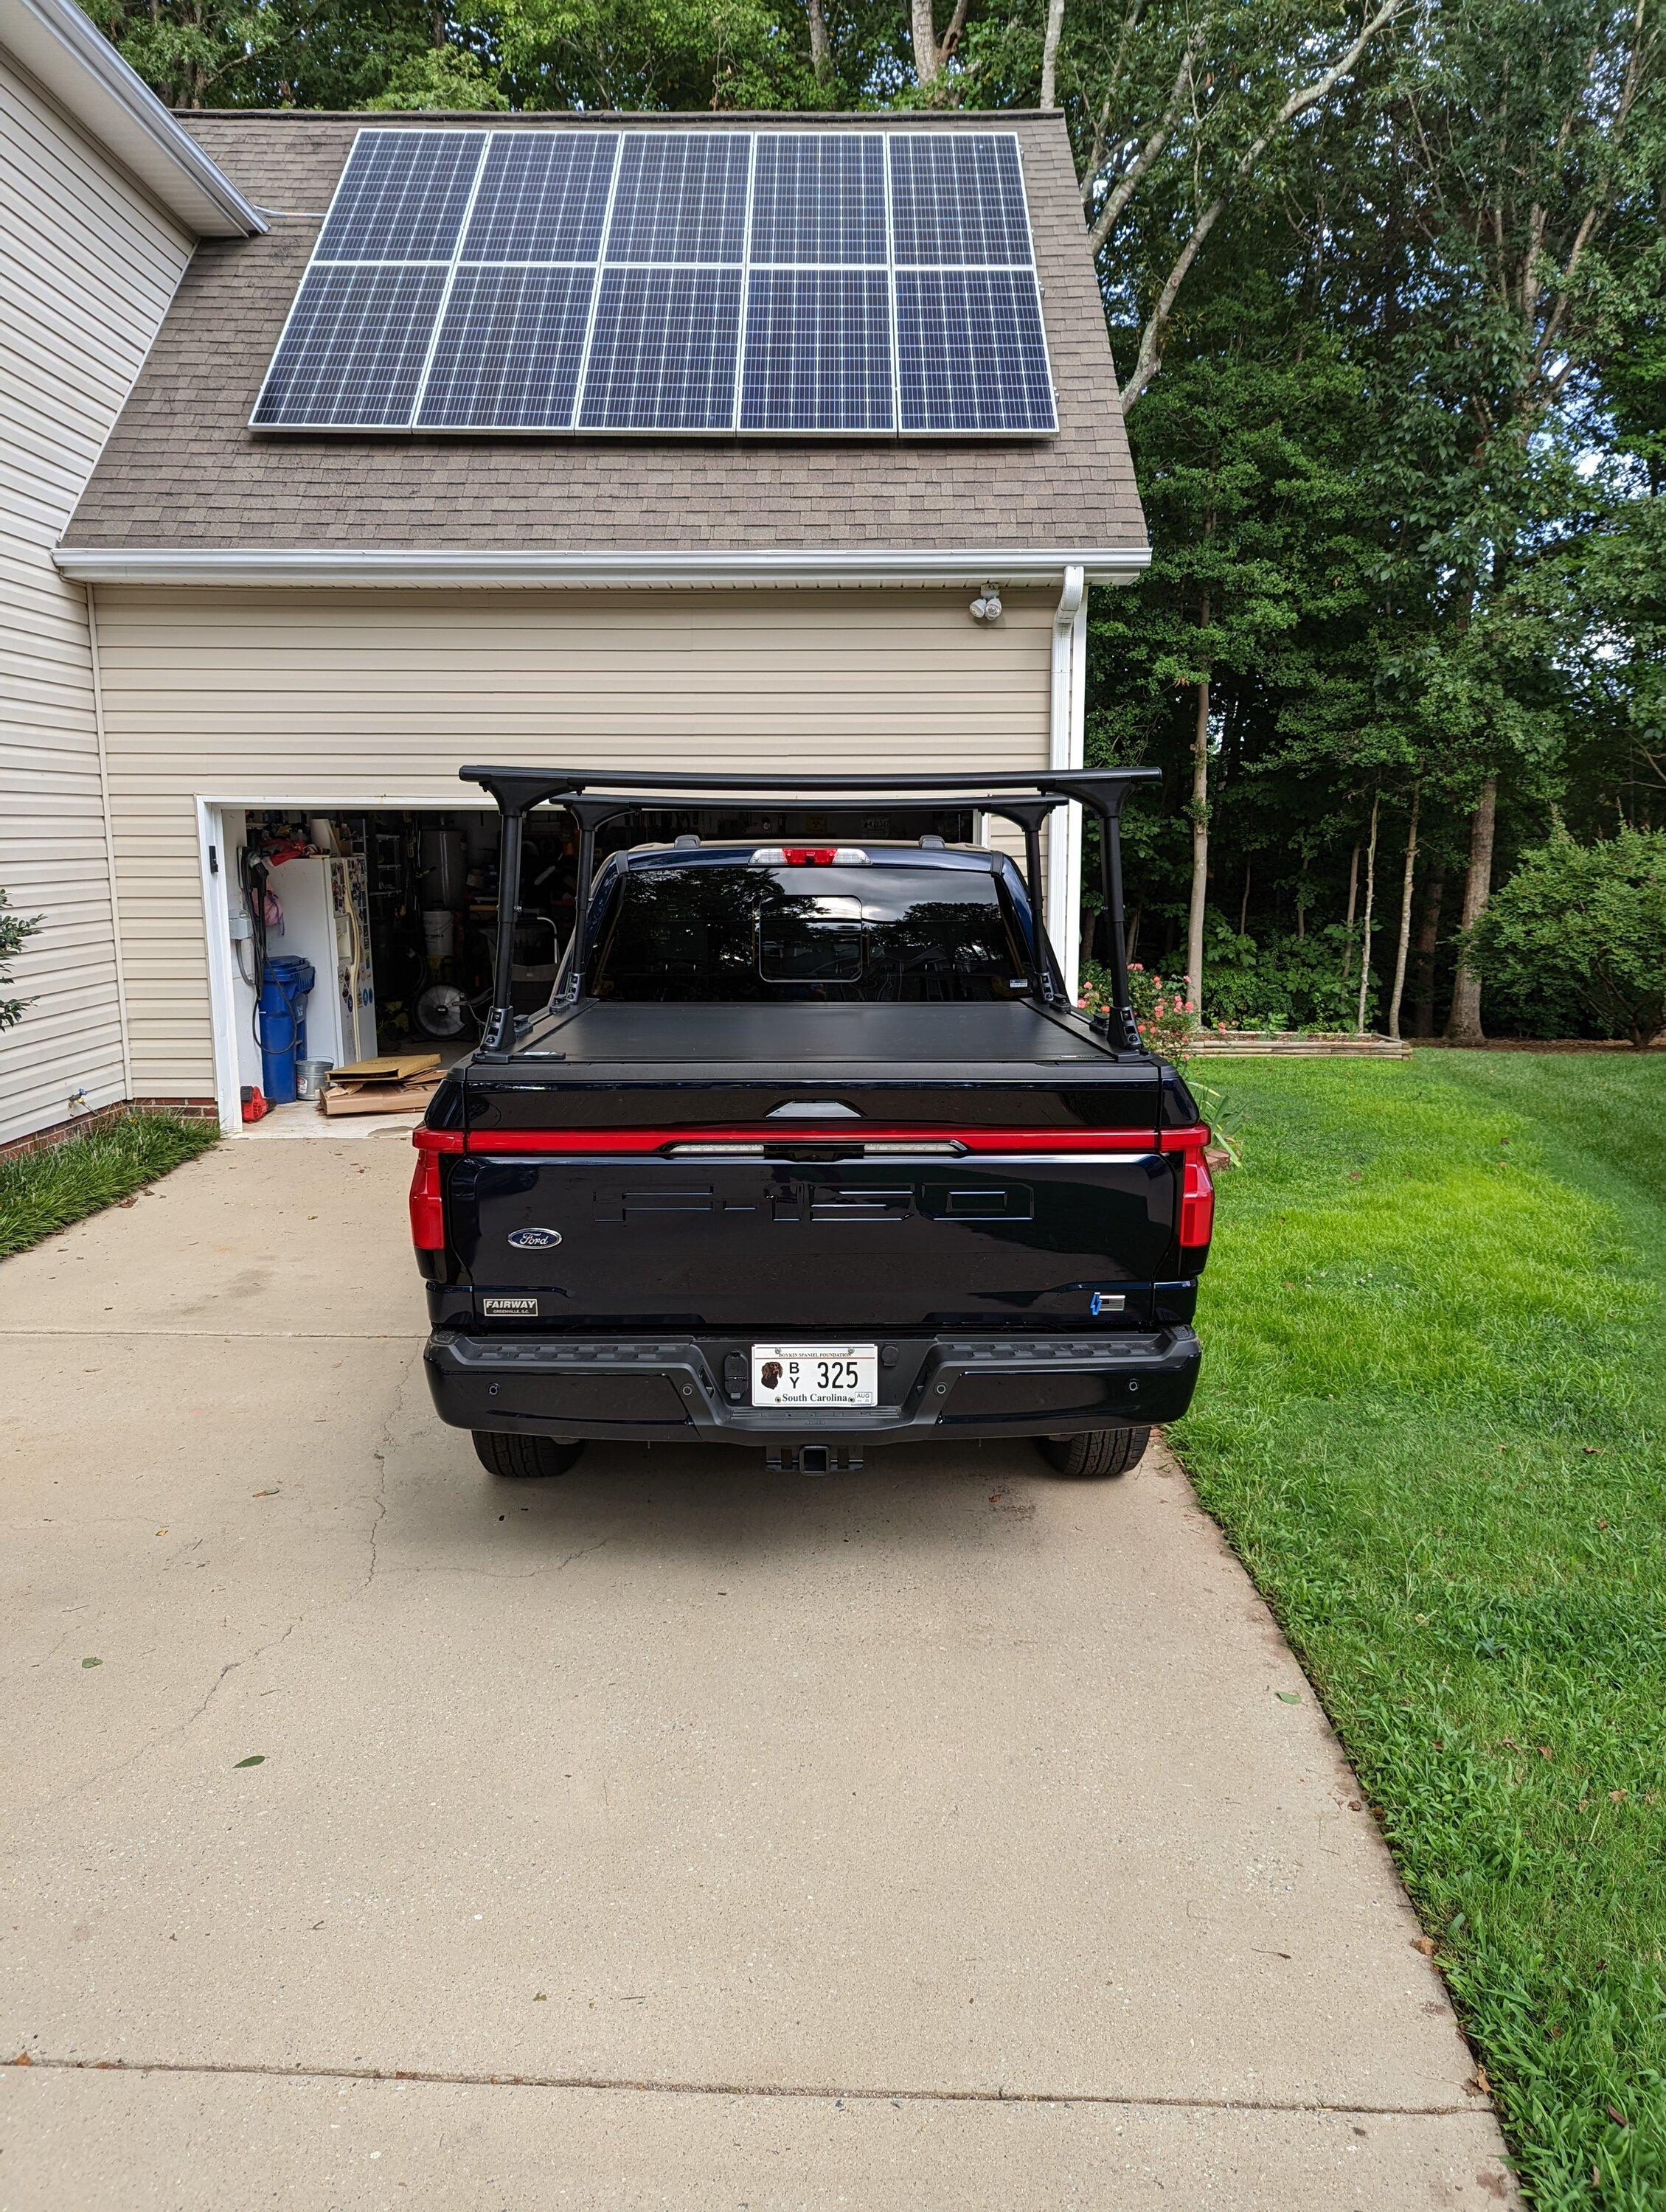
[239, 1336]
[808, 2094]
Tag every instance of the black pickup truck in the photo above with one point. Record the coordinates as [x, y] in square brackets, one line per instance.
[809, 1150]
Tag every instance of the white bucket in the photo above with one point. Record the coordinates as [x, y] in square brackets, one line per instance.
[439, 932]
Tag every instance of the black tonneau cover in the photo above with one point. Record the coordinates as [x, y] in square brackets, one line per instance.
[745, 1039]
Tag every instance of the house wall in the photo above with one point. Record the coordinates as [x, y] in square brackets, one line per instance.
[87, 266]
[357, 698]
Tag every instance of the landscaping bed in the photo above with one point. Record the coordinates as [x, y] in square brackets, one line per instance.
[1432, 1422]
[48, 1189]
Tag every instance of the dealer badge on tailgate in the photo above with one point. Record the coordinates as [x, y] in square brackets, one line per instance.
[815, 1374]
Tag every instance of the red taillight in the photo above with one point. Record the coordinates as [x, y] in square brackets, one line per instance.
[428, 1224]
[1197, 1203]
[808, 856]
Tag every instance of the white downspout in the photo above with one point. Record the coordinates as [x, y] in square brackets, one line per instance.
[1065, 735]
[121, 966]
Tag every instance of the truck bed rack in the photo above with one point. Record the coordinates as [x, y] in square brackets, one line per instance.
[595, 797]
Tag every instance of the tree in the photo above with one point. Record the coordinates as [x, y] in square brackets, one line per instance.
[16, 931]
[1590, 920]
[440, 77]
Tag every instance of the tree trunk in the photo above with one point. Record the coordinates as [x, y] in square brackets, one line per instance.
[1428, 941]
[1200, 847]
[1404, 946]
[1243, 903]
[926, 62]
[1050, 72]
[1464, 1022]
[820, 52]
[1371, 894]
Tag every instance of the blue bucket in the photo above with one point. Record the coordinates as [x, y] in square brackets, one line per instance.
[281, 1024]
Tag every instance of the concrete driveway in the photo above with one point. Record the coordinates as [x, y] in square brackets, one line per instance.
[673, 1834]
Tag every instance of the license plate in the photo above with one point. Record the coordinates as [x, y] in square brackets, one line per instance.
[815, 1374]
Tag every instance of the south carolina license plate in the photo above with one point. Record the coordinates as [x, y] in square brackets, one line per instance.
[815, 1374]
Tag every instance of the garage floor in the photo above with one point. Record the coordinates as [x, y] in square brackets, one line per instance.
[673, 1834]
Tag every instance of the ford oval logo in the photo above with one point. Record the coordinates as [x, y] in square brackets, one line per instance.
[534, 1240]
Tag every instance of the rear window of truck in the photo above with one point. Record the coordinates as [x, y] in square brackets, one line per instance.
[763, 933]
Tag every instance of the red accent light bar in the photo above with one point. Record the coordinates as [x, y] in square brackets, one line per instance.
[1194, 1138]
[779, 1138]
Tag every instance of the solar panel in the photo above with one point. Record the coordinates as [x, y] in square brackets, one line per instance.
[957, 199]
[352, 352]
[543, 196]
[970, 355]
[509, 350]
[819, 196]
[817, 351]
[663, 353]
[831, 281]
[681, 197]
[402, 196]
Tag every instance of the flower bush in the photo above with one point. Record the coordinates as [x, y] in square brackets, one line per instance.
[1167, 1018]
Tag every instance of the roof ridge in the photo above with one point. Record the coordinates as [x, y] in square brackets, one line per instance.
[373, 118]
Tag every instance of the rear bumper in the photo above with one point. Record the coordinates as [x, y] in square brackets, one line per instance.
[671, 1389]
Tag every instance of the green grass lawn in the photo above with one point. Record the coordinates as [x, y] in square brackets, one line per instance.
[43, 1191]
[1433, 1423]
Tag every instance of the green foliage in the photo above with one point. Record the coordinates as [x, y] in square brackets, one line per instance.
[1285, 982]
[440, 77]
[16, 931]
[46, 1189]
[1433, 1426]
[1585, 921]
[648, 53]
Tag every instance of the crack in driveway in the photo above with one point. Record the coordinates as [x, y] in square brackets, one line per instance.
[804, 2092]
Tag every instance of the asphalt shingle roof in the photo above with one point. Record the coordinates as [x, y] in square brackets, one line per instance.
[182, 471]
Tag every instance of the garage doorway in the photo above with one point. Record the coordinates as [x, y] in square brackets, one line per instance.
[394, 911]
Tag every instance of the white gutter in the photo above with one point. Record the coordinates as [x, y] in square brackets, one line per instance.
[76, 64]
[325, 565]
[1066, 726]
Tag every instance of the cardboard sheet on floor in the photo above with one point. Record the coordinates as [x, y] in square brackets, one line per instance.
[390, 1067]
[381, 1097]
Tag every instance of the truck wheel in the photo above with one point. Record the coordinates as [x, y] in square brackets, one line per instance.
[1099, 1452]
[501, 1454]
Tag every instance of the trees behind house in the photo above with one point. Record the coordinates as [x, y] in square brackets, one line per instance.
[1384, 280]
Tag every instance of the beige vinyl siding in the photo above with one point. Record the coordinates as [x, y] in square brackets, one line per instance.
[352, 699]
[87, 266]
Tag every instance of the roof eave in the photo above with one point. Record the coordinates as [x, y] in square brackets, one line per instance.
[76, 63]
[249, 565]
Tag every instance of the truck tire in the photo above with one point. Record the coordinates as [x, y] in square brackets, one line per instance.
[1099, 1452]
[512, 1456]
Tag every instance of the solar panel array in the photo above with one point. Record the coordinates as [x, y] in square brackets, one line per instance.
[802, 283]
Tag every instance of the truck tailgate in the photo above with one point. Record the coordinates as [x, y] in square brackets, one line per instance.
[785, 1237]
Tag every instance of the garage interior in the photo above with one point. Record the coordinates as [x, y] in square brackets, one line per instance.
[378, 926]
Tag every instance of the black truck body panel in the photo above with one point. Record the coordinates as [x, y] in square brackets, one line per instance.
[636, 1194]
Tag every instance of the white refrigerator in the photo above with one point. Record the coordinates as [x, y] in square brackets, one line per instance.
[326, 920]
